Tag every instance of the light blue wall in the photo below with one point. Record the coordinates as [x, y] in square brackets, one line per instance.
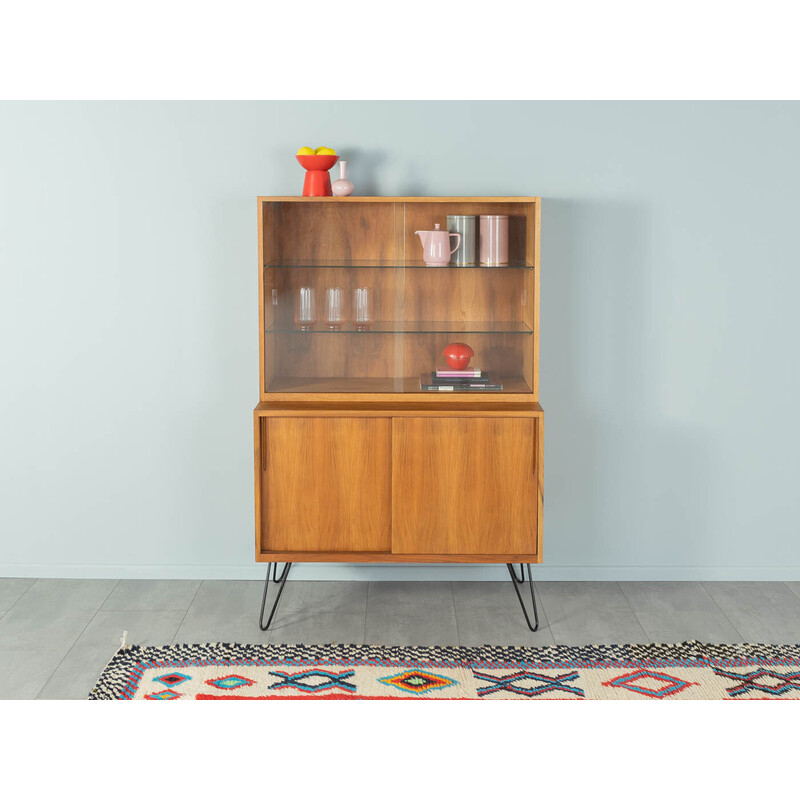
[670, 288]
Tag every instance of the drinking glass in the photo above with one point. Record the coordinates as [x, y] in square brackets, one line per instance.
[334, 315]
[362, 308]
[305, 310]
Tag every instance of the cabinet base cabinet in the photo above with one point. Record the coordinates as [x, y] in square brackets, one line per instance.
[399, 488]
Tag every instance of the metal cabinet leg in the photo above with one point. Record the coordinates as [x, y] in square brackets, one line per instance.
[517, 582]
[281, 582]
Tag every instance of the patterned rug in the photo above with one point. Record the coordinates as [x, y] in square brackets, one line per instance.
[687, 671]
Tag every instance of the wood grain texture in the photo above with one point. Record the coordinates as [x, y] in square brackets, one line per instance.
[463, 486]
[312, 556]
[365, 406]
[326, 484]
[259, 423]
[331, 231]
[539, 483]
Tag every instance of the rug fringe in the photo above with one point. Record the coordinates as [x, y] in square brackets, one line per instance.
[124, 640]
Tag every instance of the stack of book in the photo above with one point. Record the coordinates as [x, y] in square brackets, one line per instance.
[457, 380]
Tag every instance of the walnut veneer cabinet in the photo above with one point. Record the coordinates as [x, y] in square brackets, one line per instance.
[353, 461]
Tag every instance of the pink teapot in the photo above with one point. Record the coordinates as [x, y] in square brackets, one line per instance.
[436, 246]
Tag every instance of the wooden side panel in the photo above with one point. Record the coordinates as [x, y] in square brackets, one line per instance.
[464, 485]
[326, 484]
[536, 279]
[539, 484]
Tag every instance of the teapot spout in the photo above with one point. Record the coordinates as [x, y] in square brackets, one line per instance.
[424, 236]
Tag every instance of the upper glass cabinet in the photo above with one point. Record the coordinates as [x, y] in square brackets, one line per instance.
[349, 304]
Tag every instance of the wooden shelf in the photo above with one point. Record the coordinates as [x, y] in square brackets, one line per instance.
[378, 557]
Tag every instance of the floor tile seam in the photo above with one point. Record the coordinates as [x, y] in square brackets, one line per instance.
[672, 613]
[455, 613]
[582, 605]
[134, 610]
[366, 612]
[33, 583]
[57, 666]
[582, 610]
[76, 640]
[786, 584]
[512, 612]
[722, 611]
[541, 608]
[779, 604]
[633, 611]
[553, 631]
[37, 653]
[25, 650]
[186, 613]
[678, 612]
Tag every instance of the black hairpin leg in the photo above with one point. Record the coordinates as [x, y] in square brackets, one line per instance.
[281, 582]
[517, 583]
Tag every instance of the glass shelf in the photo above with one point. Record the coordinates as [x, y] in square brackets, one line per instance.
[414, 327]
[512, 384]
[381, 264]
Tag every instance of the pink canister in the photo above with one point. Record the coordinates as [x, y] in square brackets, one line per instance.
[494, 239]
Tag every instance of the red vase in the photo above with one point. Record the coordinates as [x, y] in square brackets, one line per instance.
[458, 354]
[318, 181]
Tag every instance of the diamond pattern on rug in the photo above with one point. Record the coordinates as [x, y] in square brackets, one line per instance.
[417, 682]
[167, 694]
[314, 680]
[173, 679]
[650, 683]
[230, 682]
[760, 682]
[527, 683]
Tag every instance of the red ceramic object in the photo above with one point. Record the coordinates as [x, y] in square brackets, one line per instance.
[458, 354]
[317, 182]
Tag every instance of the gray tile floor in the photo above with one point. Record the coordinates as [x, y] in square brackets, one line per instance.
[57, 635]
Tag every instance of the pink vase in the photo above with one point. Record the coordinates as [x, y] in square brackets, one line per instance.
[342, 187]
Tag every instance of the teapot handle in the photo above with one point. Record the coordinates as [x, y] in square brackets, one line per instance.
[458, 243]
